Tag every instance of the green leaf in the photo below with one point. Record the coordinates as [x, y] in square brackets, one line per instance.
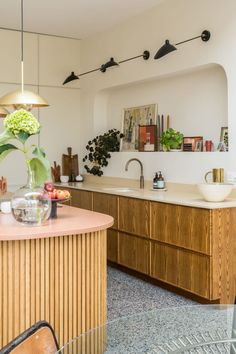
[5, 137]
[39, 169]
[39, 152]
[23, 136]
[6, 149]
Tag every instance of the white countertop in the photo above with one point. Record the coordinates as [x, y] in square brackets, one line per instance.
[180, 196]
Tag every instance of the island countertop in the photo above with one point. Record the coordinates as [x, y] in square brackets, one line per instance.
[70, 221]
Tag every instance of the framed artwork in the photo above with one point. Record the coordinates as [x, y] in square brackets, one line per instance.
[224, 138]
[147, 138]
[193, 143]
[132, 119]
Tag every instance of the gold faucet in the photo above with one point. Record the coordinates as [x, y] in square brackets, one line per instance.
[141, 166]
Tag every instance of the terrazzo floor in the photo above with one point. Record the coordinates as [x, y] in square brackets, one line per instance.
[142, 317]
[128, 295]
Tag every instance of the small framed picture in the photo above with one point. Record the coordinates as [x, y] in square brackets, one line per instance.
[132, 119]
[147, 138]
[224, 138]
[193, 143]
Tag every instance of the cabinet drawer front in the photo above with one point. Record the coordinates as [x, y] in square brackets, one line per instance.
[106, 204]
[81, 199]
[186, 270]
[134, 252]
[134, 216]
[185, 227]
[112, 245]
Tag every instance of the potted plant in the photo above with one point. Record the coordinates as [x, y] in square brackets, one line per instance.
[172, 140]
[99, 150]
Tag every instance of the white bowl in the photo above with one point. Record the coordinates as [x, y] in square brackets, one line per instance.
[64, 179]
[215, 192]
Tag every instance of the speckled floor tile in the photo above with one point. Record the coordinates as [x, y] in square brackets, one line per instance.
[127, 295]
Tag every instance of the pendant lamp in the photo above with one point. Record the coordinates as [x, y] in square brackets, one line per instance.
[21, 98]
[3, 112]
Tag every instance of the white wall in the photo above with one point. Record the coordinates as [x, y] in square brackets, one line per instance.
[197, 102]
[48, 61]
[176, 20]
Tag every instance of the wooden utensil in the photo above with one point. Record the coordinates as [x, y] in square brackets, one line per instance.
[56, 172]
[70, 165]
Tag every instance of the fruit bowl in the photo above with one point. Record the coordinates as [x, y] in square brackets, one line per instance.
[215, 192]
[53, 214]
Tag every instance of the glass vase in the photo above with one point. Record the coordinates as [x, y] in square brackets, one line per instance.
[30, 204]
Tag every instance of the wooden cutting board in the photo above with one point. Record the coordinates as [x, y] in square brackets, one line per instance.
[70, 165]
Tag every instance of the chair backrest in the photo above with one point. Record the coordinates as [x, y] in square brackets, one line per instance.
[38, 339]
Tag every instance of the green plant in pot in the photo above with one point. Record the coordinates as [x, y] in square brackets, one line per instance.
[30, 204]
[172, 140]
[99, 150]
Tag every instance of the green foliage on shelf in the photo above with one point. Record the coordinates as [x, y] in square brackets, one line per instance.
[99, 151]
[171, 139]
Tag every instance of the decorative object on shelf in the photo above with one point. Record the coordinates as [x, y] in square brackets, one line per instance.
[163, 123]
[132, 119]
[172, 140]
[168, 47]
[147, 138]
[70, 165]
[224, 137]
[99, 150]
[209, 146]
[218, 175]
[3, 185]
[56, 172]
[30, 204]
[21, 98]
[193, 143]
[145, 55]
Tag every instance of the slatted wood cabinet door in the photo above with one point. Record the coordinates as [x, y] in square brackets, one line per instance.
[108, 204]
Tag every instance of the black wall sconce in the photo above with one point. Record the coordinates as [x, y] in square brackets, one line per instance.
[103, 68]
[168, 47]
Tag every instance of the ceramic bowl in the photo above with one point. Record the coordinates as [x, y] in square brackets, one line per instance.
[64, 179]
[215, 192]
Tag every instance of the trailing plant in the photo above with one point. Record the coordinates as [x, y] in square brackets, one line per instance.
[99, 151]
[171, 139]
[19, 127]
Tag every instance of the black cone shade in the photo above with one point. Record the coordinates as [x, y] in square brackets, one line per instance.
[109, 64]
[164, 50]
[70, 78]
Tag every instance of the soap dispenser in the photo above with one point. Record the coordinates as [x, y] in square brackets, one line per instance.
[160, 181]
[155, 180]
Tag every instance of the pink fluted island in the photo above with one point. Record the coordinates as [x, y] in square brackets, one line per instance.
[56, 272]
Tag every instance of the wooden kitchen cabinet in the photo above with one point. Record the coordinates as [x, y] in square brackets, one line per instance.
[106, 204]
[181, 226]
[188, 247]
[81, 199]
[133, 252]
[134, 216]
[112, 245]
[185, 269]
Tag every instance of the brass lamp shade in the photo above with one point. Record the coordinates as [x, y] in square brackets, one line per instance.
[23, 99]
[3, 112]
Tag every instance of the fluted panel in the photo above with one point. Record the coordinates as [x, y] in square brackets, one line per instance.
[61, 280]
